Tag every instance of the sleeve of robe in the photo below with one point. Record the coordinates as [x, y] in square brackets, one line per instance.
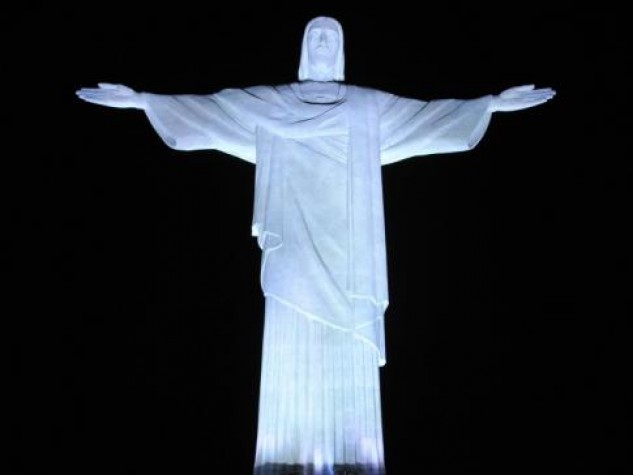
[409, 127]
[224, 121]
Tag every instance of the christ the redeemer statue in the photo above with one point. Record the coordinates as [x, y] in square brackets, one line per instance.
[318, 145]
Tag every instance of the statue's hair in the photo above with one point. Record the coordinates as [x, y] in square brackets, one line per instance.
[304, 65]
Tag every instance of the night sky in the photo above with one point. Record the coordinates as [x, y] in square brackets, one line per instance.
[137, 280]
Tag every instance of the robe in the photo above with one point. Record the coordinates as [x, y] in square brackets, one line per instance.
[318, 218]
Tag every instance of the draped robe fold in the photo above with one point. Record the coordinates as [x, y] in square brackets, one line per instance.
[318, 218]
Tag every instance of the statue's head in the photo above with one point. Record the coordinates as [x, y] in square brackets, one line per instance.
[322, 57]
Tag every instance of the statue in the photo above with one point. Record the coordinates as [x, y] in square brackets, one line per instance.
[318, 145]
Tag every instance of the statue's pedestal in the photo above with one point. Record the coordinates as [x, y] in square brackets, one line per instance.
[284, 469]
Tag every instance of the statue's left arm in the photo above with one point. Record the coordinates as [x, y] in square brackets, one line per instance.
[410, 128]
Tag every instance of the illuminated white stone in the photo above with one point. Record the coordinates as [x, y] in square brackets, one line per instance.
[318, 217]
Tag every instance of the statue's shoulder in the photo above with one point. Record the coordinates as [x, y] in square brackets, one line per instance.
[378, 96]
[364, 89]
[368, 91]
[261, 90]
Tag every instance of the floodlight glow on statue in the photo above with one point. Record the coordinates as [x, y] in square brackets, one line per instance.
[318, 145]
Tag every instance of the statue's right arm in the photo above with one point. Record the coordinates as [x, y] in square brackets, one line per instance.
[113, 95]
[189, 121]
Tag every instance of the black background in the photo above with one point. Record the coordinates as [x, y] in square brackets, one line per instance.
[137, 278]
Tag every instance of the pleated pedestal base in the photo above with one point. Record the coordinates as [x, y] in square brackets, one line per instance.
[279, 469]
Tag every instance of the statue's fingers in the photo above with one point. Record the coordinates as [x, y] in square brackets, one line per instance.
[108, 85]
[551, 93]
[87, 90]
[534, 102]
[538, 97]
[531, 95]
[94, 100]
[540, 94]
[83, 93]
[545, 90]
[90, 93]
[538, 102]
[96, 97]
[525, 87]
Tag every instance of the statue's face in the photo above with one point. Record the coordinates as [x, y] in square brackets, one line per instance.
[322, 57]
[323, 41]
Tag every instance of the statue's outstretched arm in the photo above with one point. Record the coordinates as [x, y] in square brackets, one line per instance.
[520, 97]
[113, 95]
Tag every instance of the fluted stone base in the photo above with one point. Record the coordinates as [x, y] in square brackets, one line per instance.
[285, 469]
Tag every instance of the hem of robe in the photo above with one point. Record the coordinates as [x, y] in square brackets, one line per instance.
[319, 402]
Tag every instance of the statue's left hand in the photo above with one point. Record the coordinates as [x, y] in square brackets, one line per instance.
[520, 97]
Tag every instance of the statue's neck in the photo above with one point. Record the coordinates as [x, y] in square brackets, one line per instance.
[321, 71]
[321, 91]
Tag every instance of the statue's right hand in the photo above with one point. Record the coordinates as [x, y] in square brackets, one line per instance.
[112, 95]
